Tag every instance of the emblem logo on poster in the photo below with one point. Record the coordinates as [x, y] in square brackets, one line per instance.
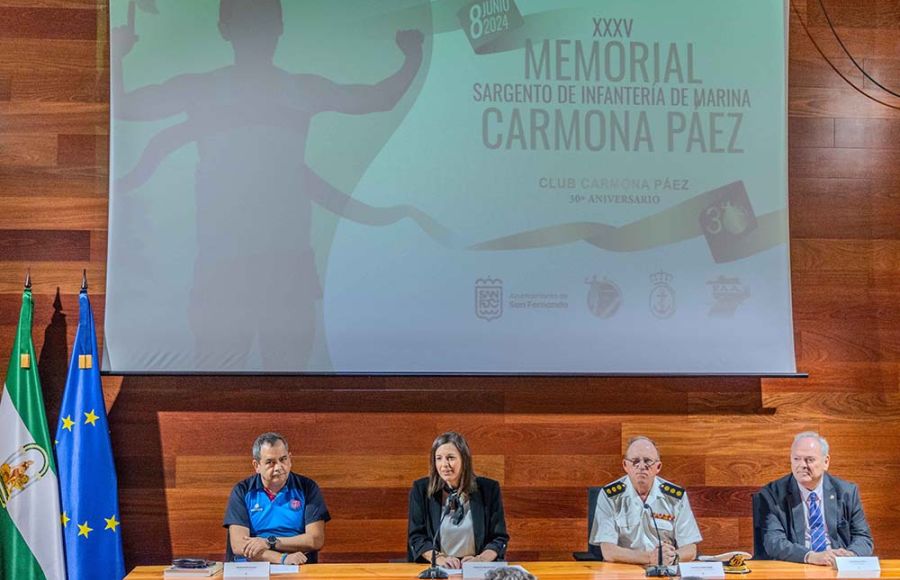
[727, 221]
[662, 296]
[488, 298]
[604, 297]
[728, 293]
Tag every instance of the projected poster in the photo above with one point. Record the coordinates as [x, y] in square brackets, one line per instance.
[405, 186]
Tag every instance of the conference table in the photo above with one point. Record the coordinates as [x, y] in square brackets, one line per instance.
[761, 570]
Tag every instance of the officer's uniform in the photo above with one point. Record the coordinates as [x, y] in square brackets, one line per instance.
[622, 519]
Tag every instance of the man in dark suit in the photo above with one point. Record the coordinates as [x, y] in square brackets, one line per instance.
[810, 516]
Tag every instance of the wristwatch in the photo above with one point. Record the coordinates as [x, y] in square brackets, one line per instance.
[271, 541]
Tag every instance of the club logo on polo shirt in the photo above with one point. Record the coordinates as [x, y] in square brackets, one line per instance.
[256, 508]
[296, 504]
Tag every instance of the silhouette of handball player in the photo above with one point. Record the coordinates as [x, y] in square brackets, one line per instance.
[255, 274]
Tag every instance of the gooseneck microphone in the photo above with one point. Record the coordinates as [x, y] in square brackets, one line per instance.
[658, 536]
[434, 571]
[660, 569]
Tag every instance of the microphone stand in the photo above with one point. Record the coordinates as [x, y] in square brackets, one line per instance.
[659, 569]
[434, 570]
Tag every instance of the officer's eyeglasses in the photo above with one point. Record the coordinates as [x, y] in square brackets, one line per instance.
[642, 461]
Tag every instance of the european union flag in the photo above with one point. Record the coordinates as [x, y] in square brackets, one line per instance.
[87, 474]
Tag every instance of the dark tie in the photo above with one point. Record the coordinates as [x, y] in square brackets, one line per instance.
[817, 541]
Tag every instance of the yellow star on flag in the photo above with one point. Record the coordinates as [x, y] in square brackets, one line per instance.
[90, 418]
[65, 519]
[68, 422]
[84, 530]
[111, 523]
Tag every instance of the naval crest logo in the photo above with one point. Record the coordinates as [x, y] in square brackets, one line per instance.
[488, 298]
[604, 297]
[662, 296]
[25, 467]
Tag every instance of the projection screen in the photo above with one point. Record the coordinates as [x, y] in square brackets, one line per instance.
[456, 186]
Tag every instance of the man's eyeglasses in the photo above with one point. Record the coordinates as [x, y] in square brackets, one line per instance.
[642, 461]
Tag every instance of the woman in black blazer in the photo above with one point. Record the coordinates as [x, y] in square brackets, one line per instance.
[467, 509]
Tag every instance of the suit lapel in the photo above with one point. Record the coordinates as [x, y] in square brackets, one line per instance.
[829, 499]
[476, 504]
[797, 516]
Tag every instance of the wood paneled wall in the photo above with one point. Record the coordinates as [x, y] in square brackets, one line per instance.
[181, 442]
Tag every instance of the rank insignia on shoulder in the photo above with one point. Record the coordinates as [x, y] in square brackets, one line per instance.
[614, 489]
[673, 490]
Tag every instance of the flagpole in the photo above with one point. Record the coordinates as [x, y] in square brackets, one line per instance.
[30, 517]
[88, 482]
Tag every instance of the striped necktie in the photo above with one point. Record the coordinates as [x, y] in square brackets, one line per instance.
[817, 541]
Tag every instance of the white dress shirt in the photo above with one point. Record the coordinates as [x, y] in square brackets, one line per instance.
[805, 493]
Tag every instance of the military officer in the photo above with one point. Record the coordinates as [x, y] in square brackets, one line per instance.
[628, 507]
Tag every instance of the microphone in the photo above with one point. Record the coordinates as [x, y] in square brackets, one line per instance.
[659, 569]
[434, 571]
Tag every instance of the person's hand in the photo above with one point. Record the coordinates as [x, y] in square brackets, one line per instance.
[410, 41]
[669, 554]
[825, 558]
[254, 548]
[448, 562]
[295, 559]
[843, 553]
[477, 558]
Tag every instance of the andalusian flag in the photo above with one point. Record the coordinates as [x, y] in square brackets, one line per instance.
[30, 525]
[87, 474]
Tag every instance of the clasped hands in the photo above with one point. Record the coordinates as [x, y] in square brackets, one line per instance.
[669, 555]
[255, 547]
[456, 563]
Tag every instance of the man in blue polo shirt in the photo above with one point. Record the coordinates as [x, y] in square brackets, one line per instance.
[275, 516]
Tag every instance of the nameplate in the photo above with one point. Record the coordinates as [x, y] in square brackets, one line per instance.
[478, 570]
[849, 567]
[246, 570]
[701, 569]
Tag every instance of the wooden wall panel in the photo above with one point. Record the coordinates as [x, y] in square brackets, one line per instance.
[30, 150]
[180, 442]
[884, 70]
[843, 208]
[47, 23]
[49, 245]
[35, 212]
